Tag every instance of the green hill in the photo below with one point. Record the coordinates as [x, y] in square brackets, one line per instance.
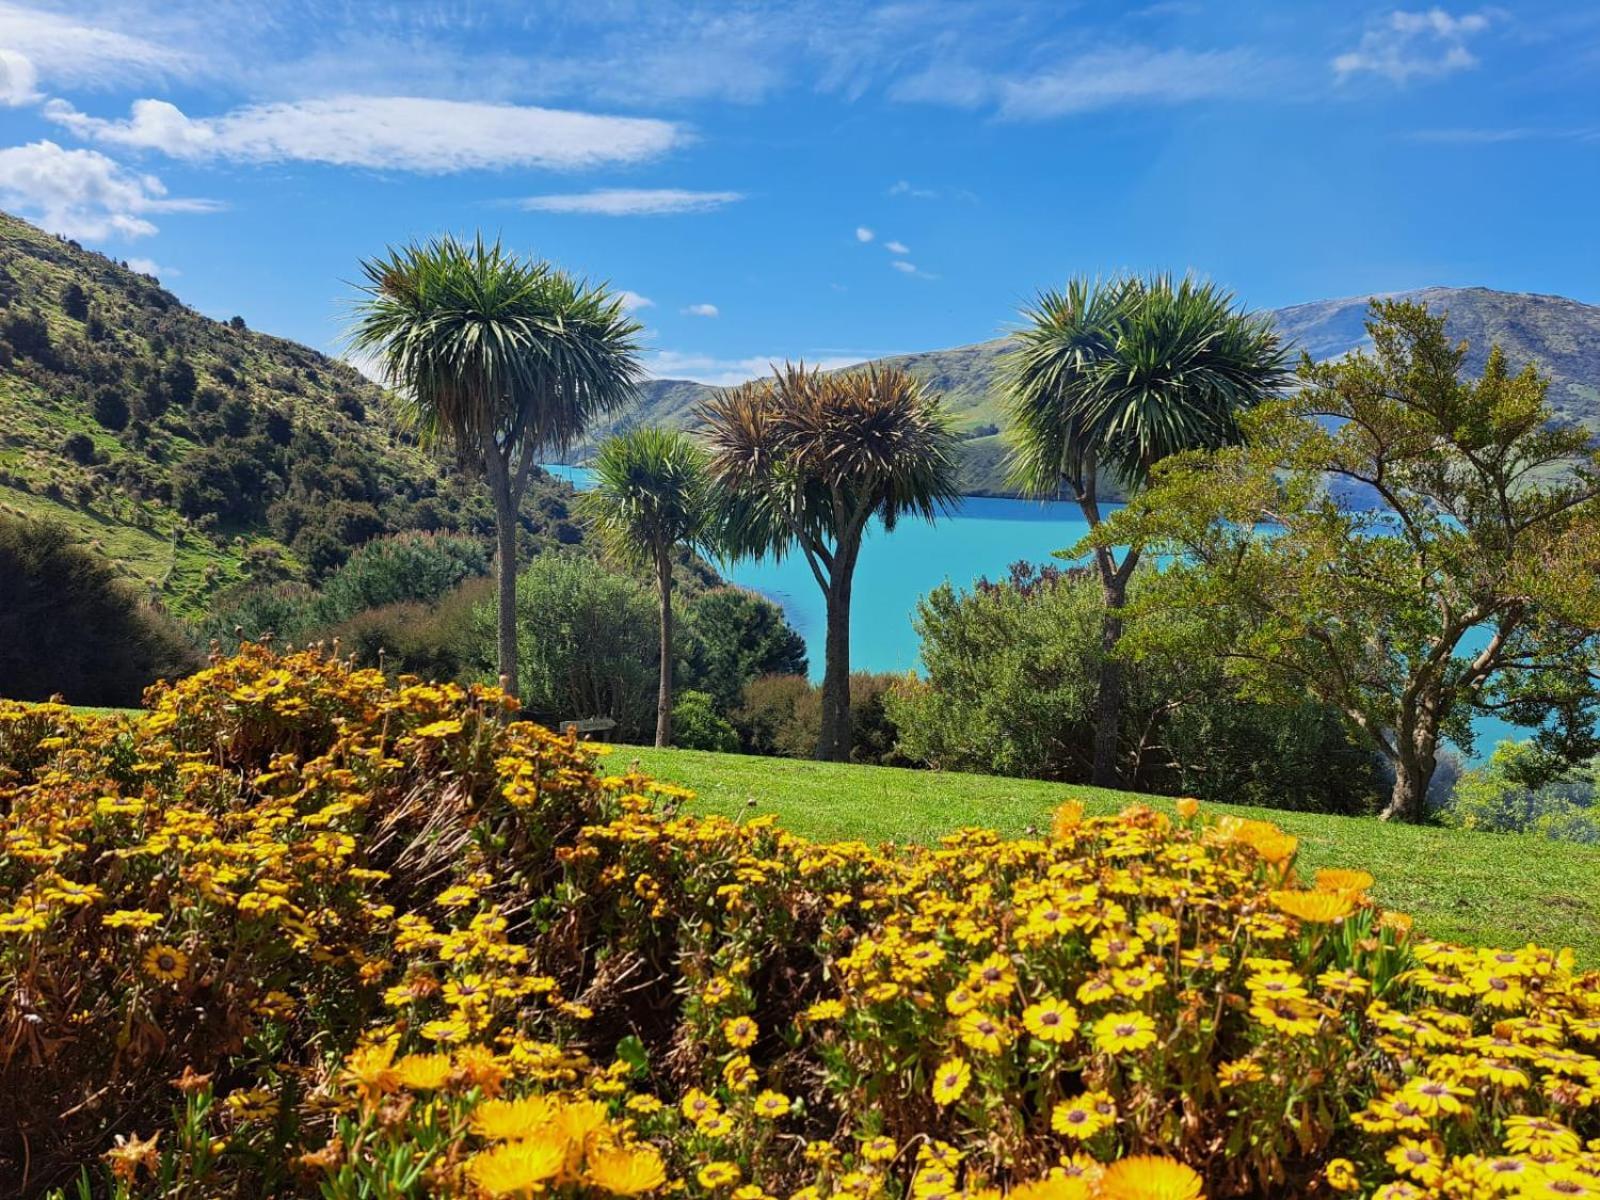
[198, 454]
[1560, 336]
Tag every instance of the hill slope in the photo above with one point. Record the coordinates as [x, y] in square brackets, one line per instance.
[194, 453]
[1560, 336]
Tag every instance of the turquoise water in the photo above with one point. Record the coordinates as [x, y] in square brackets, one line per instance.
[982, 537]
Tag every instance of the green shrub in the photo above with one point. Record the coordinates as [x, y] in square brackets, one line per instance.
[696, 724]
[771, 718]
[1506, 795]
[68, 625]
[730, 636]
[781, 715]
[1011, 673]
[430, 640]
[416, 568]
[586, 644]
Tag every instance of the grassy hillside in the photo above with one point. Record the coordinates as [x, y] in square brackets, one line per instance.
[1560, 336]
[199, 454]
[1490, 889]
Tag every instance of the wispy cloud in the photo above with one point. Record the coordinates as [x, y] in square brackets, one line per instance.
[407, 133]
[72, 52]
[897, 248]
[84, 194]
[633, 301]
[863, 234]
[702, 310]
[1481, 137]
[1414, 45]
[1083, 83]
[631, 202]
[911, 268]
[1132, 76]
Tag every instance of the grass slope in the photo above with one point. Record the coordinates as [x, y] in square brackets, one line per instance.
[1490, 889]
[1560, 336]
[338, 472]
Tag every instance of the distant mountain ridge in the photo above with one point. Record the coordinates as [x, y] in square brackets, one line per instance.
[1560, 336]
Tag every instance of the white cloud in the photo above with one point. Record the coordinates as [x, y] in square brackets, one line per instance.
[408, 133]
[904, 187]
[69, 51]
[84, 194]
[725, 372]
[702, 310]
[633, 301]
[910, 268]
[149, 266]
[863, 234]
[1414, 45]
[631, 202]
[897, 248]
[18, 79]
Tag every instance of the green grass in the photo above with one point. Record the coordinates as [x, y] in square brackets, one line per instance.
[1489, 889]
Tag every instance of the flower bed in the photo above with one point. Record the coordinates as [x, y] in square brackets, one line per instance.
[297, 931]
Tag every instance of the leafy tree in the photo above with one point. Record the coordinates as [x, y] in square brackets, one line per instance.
[500, 357]
[651, 498]
[1511, 794]
[75, 301]
[1459, 574]
[806, 461]
[733, 636]
[68, 625]
[1108, 379]
[178, 379]
[1009, 688]
[110, 409]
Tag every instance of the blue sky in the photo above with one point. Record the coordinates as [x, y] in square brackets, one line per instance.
[805, 179]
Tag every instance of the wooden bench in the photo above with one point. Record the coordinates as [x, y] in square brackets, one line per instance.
[589, 725]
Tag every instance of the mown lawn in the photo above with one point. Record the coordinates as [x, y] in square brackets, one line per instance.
[1490, 889]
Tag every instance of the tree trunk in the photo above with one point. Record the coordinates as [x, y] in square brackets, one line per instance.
[1407, 798]
[1108, 702]
[505, 529]
[834, 743]
[664, 695]
[1416, 756]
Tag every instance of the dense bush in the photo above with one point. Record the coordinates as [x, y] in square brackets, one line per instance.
[696, 724]
[730, 636]
[1011, 677]
[586, 644]
[361, 941]
[1509, 794]
[782, 715]
[70, 626]
[437, 640]
[417, 568]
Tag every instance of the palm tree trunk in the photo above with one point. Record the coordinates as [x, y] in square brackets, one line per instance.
[505, 530]
[1108, 702]
[664, 695]
[833, 745]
